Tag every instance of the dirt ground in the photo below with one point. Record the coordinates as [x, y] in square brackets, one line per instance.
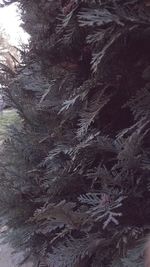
[8, 259]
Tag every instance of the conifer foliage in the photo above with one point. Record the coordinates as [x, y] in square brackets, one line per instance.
[74, 174]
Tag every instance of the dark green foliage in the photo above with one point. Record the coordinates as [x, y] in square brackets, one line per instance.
[75, 171]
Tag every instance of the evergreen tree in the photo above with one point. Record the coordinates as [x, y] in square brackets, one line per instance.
[74, 174]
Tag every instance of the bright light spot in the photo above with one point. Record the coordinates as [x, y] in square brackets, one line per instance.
[10, 20]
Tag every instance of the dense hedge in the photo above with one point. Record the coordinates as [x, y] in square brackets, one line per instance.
[75, 170]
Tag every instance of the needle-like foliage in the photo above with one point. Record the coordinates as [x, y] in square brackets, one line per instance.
[74, 172]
